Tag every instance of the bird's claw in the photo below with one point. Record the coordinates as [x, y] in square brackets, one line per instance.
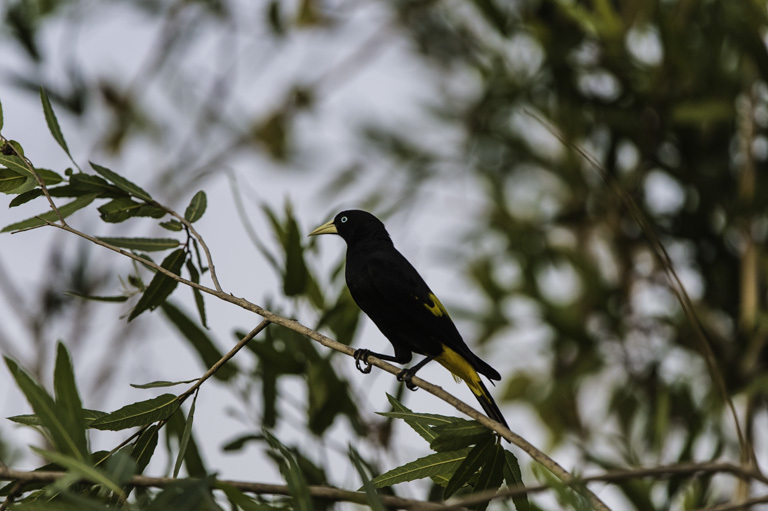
[405, 376]
[362, 355]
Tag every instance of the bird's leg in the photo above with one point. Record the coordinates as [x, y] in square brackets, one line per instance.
[407, 374]
[362, 354]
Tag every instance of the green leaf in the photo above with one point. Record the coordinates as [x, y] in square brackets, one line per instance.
[121, 182]
[123, 208]
[478, 456]
[25, 197]
[144, 448]
[97, 298]
[419, 425]
[514, 477]
[172, 225]
[49, 413]
[82, 182]
[203, 345]
[292, 474]
[185, 437]
[161, 383]
[83, 469]
[243, 501]
[120, 468]
[193, 463]
[138, 414]
[194, 276]
[371, 496]
[1, 116]
[143, 244]
[53, 123]
[16, 164]
[65, 211]
[161, 286]
[459, 434]
[33, 420]
[492, 473]
[239, 442]
[49, 177]
[432, 465]
[196, 207]
[68, 400]
[10, 180]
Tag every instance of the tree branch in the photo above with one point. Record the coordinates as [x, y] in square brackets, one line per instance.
[661, 472]
[319, 492]
[547, 462]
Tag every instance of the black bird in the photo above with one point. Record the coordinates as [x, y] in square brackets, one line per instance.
[392, 293]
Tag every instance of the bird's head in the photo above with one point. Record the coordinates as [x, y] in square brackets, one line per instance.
[353, 225]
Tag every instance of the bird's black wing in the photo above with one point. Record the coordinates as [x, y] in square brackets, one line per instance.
[406, 294]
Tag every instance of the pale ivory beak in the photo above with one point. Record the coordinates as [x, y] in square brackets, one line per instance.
[326, 228]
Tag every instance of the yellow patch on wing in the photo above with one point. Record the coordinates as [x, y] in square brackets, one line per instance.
[461, 369]
[435, 307]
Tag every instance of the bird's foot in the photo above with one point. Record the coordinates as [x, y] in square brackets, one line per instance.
[406, 376]
[362, 355]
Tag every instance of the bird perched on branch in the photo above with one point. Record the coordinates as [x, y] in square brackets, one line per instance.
[392, 293]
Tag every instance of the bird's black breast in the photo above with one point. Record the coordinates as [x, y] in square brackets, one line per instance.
[388, 289]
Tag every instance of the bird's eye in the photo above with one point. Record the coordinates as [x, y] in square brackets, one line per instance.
[343, 220]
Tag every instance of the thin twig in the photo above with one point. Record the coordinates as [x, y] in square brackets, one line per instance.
[737, 506]
[223, 360]
[664, 471]
[200, 240]
[320, 492]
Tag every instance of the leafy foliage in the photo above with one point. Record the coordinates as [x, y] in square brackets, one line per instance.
[669, 96]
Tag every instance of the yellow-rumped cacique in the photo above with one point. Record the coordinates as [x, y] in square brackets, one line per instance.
[392, 293]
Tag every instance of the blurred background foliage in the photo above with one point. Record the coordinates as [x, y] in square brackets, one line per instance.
[669, 95]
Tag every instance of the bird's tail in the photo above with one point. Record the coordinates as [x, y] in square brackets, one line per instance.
[461, 368]
[486, 401]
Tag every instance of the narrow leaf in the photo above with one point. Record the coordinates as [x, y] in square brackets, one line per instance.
[144, 448]
[68, 400]
[514, 477]
[172, 225]
[290, 470]
[25, 197]
[371, 496]
[33, 420]
[161, 383]
[200, 341]
[82, 469]
[47, 411]
[51, 216]
[434, 464]
[138, 414]
[16, 164]
[121, 182]
[185, 437]
[196, 207]
[492, 474]
[478, 456]
[143, 244]
[53, 123]
[10, 181]
[194, 276]
[120, 468]
[1, 116]
[461, 433]
[420, 427]
[161, 285]
[97, 298]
